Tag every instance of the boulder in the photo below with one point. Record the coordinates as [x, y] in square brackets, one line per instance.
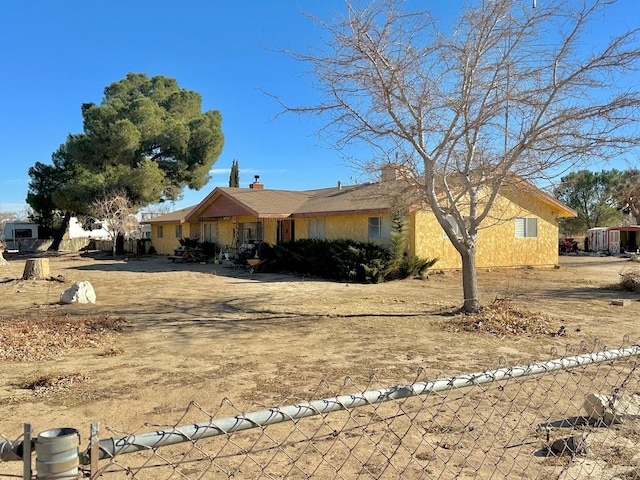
[612, 409]
[80, 292]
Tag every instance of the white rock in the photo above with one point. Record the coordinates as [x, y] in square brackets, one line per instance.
[80, 292]
[612, 409]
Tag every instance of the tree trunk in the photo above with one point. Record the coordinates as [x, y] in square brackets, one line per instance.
[470, 282]
[36, 269]
[57, 237]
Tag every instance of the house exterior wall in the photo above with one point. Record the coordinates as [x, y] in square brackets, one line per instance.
[225, 233]
[497, 243]
[429, 241]
[354, 227]
[164, 245]
[169, 240]
[346, 226]
[270, 230]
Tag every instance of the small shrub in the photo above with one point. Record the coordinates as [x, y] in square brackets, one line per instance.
[413, 266]
[112, 352]
[630, 280]
[401, 265]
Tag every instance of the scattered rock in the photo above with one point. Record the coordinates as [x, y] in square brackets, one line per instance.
[612, 409]
[80, 292]
[562, 331]
[573, 445]
[619, 303]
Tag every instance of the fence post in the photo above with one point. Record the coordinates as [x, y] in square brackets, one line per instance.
[94, 450]
[26, 452]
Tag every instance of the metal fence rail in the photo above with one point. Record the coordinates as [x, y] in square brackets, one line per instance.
[132, 443]
[526, 421]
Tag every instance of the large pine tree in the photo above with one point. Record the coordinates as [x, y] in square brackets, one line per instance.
[148, 138]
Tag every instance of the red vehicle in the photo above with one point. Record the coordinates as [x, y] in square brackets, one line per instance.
[568, 245]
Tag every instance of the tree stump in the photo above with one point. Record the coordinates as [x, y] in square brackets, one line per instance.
[2, 259]
[36, 269]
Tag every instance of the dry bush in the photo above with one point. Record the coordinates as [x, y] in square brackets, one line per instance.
[630, 280]
[26, 339]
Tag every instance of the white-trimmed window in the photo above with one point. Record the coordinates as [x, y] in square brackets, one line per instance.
[178, 231]
[374, 227]
[378, 228]
[526, 227]
[315, 228]
[159, 231]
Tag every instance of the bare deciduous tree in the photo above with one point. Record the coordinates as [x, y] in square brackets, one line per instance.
[507, 92]
[116, 213]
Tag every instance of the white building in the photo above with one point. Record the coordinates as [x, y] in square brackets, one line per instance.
[76, 230]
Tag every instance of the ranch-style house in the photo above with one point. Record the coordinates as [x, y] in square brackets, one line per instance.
[523, 230]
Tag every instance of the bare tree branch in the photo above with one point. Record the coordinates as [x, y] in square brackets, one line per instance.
[508, 92]
[115, 211]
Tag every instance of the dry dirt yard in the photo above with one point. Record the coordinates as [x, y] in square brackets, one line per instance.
[203, 333]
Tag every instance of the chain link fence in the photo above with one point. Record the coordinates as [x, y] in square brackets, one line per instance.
[573, 417]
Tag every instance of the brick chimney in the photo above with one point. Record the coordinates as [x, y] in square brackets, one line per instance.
[256, 185]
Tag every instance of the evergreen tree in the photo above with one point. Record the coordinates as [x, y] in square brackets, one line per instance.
[148, 138]
[593, 196]
[234, 176]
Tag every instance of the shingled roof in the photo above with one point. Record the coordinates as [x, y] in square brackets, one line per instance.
[367, 198]
[179, 216]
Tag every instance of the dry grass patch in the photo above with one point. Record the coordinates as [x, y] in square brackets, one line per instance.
[46, 385]
[28, 339]
[502, 318]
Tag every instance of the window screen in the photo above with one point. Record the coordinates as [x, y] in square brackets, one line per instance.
[526, 227]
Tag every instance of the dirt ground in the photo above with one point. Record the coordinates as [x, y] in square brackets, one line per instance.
[208, 332]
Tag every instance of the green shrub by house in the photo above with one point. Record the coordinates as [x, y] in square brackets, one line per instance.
[343, 260]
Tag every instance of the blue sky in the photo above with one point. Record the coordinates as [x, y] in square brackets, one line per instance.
[56, 55]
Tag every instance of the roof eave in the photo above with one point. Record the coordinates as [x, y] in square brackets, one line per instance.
[362, 211]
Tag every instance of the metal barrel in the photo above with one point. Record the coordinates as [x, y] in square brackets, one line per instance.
[57, 454]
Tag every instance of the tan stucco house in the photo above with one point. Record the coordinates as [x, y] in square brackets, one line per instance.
[523, 231]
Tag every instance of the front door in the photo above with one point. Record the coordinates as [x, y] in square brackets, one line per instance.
[285, 231]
